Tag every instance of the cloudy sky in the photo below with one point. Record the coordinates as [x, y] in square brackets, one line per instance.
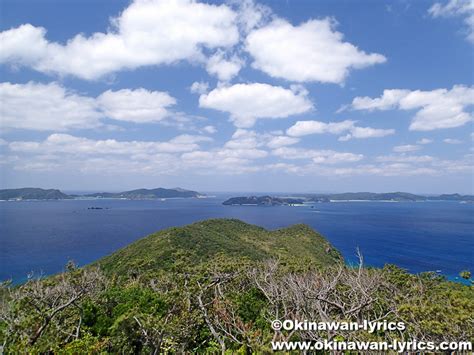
[287, 96]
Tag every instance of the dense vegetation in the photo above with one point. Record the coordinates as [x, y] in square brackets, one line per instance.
[183, 249]
[215, 286]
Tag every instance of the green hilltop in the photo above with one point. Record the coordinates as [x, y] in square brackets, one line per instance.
[182, 248]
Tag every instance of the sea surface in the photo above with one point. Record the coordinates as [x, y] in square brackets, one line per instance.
[41, 236]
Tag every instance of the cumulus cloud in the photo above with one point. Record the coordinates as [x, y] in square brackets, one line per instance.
[246, 103]
[65, 143]
[366, 132]
[317, 156]
[64, 152]
[456, 8]
[47, 107]
[251, 14]
[406, 148]
[236, 156]
[383, 166]
[437, 109]
[312, 51]
[424, 141]
[303, 128]
[403, 158]
[139, 106]
[281, 141]
[147, 32]
[199, 87]
[183, 153]
[224, 69]
[210, 129]
[452, 141]
[244, 152]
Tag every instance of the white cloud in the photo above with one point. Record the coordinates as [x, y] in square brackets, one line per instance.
[405, 158]
[406, 148]
[245, 139]
[139, 106]
[251, 14]
[281, 141]
[64, 152]
[199, 87]
[224, 69]
[388, 101]
[247, 103]
[235, 157]
[65, 143]
[184, 154]
[366, 132]
[437, 109]
[109, 156]
[452, 141]
[395, 165]
[312, 51]
[210, 129]
[46, 107]
[383, 168]
[424, 141]
[456, 8]
[147, 32]
[303, 128]
[317, 156]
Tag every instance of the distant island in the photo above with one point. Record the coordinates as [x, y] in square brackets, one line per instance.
[263, 201]
[391, 196]
[32, 193]
[349, 196]
[54, 194]
[146, 194]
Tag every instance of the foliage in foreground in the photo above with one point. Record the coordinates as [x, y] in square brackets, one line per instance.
[224, 303]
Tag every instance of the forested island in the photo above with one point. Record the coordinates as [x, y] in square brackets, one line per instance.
[349, 196]
[215, 286]
[139, 194]
[266, 200]
[263, 201]
[31, 193]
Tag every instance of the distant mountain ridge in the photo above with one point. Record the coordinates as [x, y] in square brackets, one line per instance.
[263, 201]
[348, 196]
[141, 194]
[32, 193]
[54, 194]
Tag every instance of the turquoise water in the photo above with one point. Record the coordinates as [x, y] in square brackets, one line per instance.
[42, 236]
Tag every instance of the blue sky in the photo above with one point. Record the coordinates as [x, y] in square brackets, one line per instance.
[293, 96]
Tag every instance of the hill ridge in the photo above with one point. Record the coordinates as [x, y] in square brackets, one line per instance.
[198, 243]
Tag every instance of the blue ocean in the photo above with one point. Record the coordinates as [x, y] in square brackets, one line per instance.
[41, 236]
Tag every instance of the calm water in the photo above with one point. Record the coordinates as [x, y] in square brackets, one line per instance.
[419, 236]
